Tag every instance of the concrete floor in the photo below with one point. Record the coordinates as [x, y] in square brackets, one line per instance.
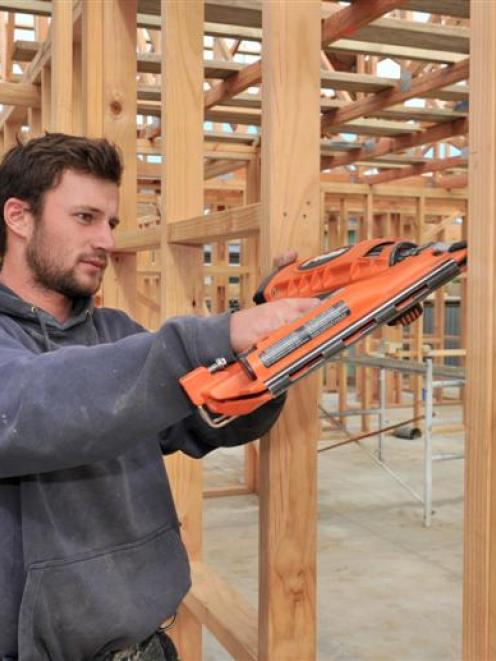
[388, 588]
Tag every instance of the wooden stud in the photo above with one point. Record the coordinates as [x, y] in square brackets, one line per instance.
[92, 69]
[62, 36]
[8, 45]
[290, 201]
[417, 330]
[119, 126]
[366, 345]
[439, 323]
[77, 100]
[249, 283]
[10, 135]
[182, 184]
[479, 634]
[46, 98]
[342, 367]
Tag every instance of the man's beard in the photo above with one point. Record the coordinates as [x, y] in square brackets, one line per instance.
[50, 275]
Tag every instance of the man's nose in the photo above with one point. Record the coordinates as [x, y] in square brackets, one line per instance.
[104, 239]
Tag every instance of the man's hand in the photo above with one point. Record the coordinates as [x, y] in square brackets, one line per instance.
[252, 324]
[408, 317]
[284, 259]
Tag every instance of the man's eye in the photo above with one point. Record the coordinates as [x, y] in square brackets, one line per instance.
[113, 224]
[84, 217]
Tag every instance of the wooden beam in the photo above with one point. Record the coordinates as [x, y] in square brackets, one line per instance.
[24, 51]
[211, 169]
[420, 85]
[290, 208]
[380, 190]
[224, 612]
[348, 46]
[453, 181]
[132, 241]
[36, 7]
[459, 8]
[235, 84]
[240, 222]
[219, 167]
[454, 39]
[242, 14]
[385, 146]
[339, 80]
[118, 121]
[235, 223]
[340, 24]
[181, 266]
[434, 165]
[20, 94]
[479, 633]
[61, 32]
[360, 13]
[432, 231]
[92, 69]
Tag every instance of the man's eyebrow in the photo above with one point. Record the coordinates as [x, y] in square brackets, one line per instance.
[87, 207]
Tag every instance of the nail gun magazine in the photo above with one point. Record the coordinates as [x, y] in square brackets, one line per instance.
[361, 287]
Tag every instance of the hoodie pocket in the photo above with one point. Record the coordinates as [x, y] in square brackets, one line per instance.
[80, 607]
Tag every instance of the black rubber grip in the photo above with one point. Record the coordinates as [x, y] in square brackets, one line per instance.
[258, 296]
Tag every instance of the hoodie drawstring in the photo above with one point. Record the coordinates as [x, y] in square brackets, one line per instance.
[43, 326]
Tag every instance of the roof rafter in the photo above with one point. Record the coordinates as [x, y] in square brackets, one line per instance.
[349, 19]
[419, 86]
[390, 145]
[340, 24]
[434, 165]
[453, 181]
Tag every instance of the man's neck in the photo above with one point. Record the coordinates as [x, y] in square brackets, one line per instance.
[58, 305]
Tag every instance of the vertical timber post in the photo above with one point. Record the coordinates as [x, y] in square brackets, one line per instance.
[119, 126]
[291, 219]
[181, 270]
[62, 36]
[479, 639]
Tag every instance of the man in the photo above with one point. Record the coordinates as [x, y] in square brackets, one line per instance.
[91, 560]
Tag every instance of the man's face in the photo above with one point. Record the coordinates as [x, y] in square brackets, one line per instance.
[71, 241]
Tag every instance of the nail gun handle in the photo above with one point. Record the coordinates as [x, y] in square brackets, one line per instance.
[295, 278]
[260, 296]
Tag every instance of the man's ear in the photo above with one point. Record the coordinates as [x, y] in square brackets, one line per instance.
[18, 217]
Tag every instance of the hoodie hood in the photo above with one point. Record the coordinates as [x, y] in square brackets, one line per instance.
[45, 329]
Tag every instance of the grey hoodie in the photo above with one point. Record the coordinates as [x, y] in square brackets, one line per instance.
[91, 558]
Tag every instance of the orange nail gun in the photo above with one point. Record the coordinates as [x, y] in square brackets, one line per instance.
[363, 287]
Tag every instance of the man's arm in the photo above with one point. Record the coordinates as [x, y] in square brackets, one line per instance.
[195, 438]
[79, 405]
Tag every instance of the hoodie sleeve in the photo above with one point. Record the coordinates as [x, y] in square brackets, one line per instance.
[194, 437]
[79, 405]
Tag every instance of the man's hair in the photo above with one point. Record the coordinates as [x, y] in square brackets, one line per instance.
[29, 170]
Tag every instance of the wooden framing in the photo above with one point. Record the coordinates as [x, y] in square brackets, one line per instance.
[118, 48]
[93, 72]
[182, 183]
[290, 207]
[62, 70]
[480, 525]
